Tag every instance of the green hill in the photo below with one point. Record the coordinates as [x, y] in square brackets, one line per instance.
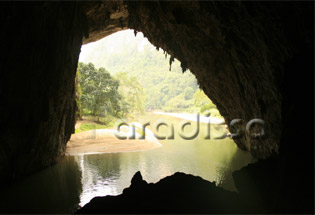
[124, 53]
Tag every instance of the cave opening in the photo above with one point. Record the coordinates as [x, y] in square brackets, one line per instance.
[253, 59]
[152, 91]
[87, 173]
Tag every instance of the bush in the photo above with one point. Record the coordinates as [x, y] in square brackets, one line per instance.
[207, 106]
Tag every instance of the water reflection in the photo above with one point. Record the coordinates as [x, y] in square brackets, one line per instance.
[52, 190]
[213, 160]
[75, 180]
[100, 173]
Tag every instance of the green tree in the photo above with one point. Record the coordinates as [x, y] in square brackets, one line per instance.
[138, 58]
[200, 98]
[202, 101]
[188, 93]
[132, 92]
[99, 91]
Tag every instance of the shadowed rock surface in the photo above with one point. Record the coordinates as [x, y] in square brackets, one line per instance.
[40, 48]
[179, 193]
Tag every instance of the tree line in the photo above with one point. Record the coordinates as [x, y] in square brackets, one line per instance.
[163, 89]
[98, 93]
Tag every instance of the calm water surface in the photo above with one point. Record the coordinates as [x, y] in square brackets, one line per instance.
[75, 180]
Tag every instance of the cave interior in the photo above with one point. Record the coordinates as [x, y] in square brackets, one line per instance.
[253, 60]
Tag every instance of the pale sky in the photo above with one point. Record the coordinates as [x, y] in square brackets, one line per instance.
[113, 42]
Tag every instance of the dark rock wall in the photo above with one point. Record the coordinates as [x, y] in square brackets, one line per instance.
[104, 18]
[40, 45]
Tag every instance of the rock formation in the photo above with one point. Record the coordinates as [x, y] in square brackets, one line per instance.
[179, 193]
[40, 48]
[237, 51]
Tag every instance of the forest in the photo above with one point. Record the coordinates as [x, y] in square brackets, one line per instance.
[125, 75]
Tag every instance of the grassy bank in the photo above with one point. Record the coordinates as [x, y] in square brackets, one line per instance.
[91, 123]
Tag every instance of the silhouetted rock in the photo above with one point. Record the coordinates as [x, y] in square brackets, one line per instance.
[137, 180]
[260, 190]
[179, 193]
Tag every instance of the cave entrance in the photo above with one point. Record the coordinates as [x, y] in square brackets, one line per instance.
[245, 55]
[152, 99]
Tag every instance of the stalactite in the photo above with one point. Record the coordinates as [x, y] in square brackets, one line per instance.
[171, 61]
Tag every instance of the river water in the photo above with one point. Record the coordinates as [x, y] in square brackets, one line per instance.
[73, 182]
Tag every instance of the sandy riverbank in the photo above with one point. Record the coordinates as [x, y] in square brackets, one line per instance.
[104, 141]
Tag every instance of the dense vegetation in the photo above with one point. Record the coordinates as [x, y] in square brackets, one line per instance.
[100, 94]
[145, 82]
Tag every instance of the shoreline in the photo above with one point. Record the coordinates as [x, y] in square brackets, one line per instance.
[100, 141]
